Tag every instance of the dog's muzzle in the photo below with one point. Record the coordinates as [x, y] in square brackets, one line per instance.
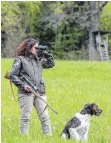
[98, 112]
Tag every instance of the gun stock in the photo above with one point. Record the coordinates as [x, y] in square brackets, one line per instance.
[7, 75]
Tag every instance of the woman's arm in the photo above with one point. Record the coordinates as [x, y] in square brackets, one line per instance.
[14, 74]
[48, 62]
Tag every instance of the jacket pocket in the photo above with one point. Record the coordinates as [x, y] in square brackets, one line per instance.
[42, 86]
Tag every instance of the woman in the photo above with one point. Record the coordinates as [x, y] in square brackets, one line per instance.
[28, 65]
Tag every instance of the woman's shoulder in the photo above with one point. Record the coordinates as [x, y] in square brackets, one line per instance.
[19, 57]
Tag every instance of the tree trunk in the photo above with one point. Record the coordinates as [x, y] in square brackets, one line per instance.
[93, 53]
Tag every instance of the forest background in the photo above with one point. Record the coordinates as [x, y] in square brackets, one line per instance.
[62, 25]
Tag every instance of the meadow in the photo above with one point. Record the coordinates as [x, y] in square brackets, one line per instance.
[69, 86]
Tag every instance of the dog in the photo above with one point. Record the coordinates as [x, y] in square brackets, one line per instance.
[77, 128]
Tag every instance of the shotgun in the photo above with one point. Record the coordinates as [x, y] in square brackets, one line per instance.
[32, 90]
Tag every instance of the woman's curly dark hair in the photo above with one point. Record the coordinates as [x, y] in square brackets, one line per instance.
[25, 46]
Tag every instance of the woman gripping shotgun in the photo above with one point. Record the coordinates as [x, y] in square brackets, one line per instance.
[29, 65]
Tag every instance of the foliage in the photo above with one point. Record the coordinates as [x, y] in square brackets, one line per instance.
[18, 20]
[69, 86]
[63, 26]
[68, 32]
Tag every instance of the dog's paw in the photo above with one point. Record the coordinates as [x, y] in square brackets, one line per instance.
[63, 135]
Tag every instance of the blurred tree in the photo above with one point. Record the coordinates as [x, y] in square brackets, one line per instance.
[59, 26]
[10, 26]
[66, 26]
[73, 20]
[19, 20]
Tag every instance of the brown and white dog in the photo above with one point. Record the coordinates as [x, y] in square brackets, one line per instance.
[77, 128]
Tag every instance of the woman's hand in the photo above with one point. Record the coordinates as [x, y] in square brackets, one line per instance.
[27, 88]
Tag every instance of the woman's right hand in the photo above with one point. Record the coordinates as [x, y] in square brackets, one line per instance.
[27, 88]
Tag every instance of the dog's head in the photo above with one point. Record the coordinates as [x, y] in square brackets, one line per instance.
[91, 109]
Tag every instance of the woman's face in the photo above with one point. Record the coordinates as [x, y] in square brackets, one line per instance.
[34, 50]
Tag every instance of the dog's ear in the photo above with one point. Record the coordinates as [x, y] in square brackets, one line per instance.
[94, 108]
[93, 105]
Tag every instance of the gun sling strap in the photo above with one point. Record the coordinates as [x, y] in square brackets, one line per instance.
[7, 76]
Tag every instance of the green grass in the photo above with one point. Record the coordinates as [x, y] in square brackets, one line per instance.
[70, 85]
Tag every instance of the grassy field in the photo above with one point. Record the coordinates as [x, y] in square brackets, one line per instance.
[70, 85]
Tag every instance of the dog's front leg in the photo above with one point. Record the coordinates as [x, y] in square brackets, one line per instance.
[74, 134]
[85, 136]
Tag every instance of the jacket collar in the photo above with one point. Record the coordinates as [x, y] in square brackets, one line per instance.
[32, 56]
